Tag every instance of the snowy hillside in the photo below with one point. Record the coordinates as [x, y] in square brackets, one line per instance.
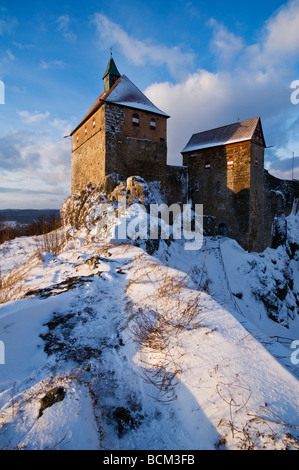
[110, 347]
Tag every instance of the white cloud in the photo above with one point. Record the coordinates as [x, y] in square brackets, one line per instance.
[257, 84]
[280, 39]
[225, 44]
[33, 161]
[63, 25]
[33, 118]
[9, 56]
[7, 24]
[52, 64]
[141, 52]
[199, 103]
[61, 124]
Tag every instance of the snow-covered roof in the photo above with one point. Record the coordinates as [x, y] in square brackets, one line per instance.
[123, 93]
[238, 132]
[127, 94]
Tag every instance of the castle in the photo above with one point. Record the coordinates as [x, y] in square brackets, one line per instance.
[124, 133]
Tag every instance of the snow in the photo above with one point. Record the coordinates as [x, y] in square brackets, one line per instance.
[190, 147]
[127, 94]
[88, 326]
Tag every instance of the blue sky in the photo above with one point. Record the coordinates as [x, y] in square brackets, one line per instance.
[206, 64]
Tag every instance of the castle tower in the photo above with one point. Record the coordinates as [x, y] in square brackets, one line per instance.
[111, 74]
[226, 169]
[123, 133]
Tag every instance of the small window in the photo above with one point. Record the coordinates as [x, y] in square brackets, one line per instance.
[135, 120]
[85, 130]
[230, 163]
[222, 230]
[207, 165]
[197, 186]
[162, 139]
[218, 187]
[77, 138]
[153, 124]
[256, 162]
[94, 123]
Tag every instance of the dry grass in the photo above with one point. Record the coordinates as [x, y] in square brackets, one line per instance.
[157, 321]
[52, 242]
[13, 283]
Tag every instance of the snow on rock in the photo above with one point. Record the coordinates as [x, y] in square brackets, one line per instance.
[112, 346]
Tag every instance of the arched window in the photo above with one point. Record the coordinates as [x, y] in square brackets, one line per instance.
[153, 124]
[135, 120]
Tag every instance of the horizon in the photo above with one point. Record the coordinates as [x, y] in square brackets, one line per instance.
[206, 66]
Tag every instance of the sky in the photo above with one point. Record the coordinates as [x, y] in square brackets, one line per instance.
[206, 64]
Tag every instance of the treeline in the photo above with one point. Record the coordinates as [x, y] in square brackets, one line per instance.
[39, 226]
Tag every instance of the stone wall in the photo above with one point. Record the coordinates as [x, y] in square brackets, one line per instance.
[219, 178]
[108, 142]
[135, 150]
[88, 152]
[176, 184]
[257, 240]
[279, 197]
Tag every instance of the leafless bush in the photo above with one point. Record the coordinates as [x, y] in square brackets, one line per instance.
[157, 322]
[52, 242]
[38, 227]
[12, 284]
[252, 431]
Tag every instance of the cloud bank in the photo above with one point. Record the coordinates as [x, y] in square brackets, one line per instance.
[35, 158]
[251, 80]
[141, 52]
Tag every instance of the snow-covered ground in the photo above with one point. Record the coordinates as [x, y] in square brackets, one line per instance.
[108, 347]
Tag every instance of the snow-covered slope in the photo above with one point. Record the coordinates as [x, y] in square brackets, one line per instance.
[109, 347]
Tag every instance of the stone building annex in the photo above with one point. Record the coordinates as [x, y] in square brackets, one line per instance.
[125, 134]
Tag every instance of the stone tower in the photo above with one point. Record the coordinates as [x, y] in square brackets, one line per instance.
[123, 133]
[226, 171]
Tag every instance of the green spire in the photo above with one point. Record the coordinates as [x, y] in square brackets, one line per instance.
[111, 74]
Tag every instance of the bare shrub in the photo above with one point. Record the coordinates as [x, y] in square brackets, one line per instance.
[52, 242]
[157, 321]
[37, 227]
[12, 284]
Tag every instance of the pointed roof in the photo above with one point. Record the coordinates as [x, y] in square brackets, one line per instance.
[122, 93]
[238, 132]
[111, 68]
[125, 93]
